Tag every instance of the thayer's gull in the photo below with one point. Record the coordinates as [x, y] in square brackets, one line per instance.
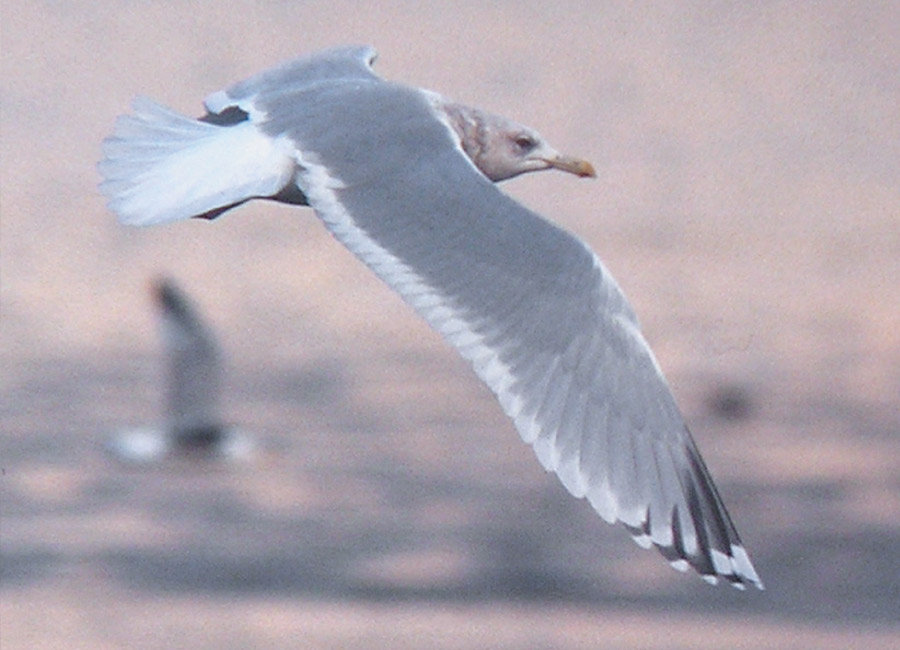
[406, 180]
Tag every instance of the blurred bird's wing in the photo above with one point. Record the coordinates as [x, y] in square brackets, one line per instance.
[193, 365]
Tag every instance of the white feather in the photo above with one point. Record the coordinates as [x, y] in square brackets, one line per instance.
[161, 166]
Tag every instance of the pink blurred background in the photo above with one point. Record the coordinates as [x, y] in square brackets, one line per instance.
[748, 201]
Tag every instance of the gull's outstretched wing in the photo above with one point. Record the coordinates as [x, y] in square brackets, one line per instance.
[528, 304]
[340, 63]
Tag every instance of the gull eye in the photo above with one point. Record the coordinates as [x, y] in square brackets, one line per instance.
[525, 143]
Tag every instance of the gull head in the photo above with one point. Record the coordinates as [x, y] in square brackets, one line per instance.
[502, 149]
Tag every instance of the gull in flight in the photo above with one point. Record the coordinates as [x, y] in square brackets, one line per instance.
[406, 179]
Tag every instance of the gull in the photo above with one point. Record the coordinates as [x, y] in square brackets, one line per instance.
[406, 180]
[192, 425]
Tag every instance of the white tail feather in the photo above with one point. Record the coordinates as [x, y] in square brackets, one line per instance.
[161, 166]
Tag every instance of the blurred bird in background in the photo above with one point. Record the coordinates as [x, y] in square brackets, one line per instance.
[192, 426]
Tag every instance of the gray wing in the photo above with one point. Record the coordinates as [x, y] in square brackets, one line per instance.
[528, 304]
[192, 363]
[344, 63]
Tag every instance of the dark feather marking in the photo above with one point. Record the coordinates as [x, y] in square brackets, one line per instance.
[228, 117]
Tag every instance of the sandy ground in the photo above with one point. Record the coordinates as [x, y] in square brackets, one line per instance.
[748, 201]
